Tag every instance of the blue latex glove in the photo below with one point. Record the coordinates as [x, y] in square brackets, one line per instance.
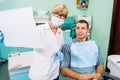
[1, 37]
[60, 56]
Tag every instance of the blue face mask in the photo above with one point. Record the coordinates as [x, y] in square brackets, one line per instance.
[57, 21]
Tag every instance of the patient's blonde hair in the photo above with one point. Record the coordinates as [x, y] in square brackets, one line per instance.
[60, 8]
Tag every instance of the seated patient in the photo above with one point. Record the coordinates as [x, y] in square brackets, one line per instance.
[82, 57]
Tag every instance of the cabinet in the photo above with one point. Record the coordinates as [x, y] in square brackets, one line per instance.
[19, 65]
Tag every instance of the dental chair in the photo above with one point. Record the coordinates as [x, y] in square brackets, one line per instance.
[69, 21]
[66, 27]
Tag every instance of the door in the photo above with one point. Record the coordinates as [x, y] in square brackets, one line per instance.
[114, 45]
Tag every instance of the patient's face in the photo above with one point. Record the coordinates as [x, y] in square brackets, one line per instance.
[81, 31]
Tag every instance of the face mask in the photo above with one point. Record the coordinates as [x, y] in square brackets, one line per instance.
[57, 21]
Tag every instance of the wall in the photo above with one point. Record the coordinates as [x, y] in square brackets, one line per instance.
[101, 11]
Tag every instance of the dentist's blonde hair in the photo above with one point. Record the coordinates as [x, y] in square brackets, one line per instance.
[60, 8]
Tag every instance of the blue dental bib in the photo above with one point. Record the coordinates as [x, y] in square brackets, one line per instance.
[84, 54]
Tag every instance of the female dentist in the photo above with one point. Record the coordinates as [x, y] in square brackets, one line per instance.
[45, 65]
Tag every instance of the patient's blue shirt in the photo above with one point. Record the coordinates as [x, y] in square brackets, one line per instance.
[81, 57]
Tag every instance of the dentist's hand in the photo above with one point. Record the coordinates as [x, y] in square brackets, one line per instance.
[60, 56]
[1, 37]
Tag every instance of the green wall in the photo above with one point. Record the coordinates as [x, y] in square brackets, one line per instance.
[100, 10]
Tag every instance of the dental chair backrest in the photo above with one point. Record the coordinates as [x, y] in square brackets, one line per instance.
[72, 31]
[69, 21]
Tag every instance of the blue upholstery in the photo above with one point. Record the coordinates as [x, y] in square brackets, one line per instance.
[69, 21]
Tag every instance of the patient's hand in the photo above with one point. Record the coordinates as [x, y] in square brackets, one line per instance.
[86, 77]
[97, 76]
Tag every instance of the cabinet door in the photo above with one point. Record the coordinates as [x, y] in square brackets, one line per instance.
[19, 74]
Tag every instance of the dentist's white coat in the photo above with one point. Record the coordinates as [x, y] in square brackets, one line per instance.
[45, 66]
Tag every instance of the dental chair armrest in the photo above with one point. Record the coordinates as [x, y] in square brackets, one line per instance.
[106, 77]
